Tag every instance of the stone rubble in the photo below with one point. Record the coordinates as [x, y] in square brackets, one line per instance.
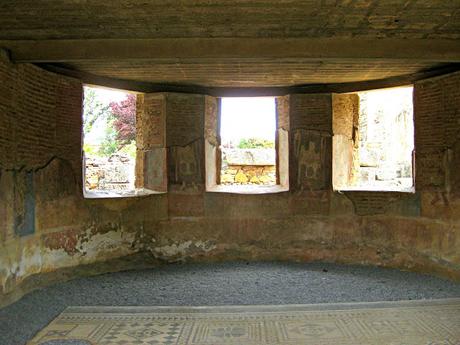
[248, 167]
[115, 172]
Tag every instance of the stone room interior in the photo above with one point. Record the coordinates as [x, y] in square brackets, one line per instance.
[216, 172]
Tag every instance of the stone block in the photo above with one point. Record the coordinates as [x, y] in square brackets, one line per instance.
[227, 178]
[240, 177]
[252, 157]
[255, 180]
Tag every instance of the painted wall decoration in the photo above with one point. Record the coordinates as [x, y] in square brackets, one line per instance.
[310, 163]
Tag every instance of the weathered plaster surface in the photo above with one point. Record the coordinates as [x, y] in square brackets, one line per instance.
[310, 222]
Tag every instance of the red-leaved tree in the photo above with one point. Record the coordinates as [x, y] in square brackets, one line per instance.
[124, 114]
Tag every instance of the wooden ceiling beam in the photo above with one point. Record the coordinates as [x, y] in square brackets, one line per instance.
[147, 87]
[45, 51]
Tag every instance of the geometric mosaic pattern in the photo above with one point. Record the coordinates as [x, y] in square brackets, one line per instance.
[435, 322]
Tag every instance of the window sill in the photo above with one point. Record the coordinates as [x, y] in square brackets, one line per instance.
[376, 189]
[111, 194]
[247, 189]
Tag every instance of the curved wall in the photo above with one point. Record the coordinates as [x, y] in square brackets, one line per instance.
[46, 224]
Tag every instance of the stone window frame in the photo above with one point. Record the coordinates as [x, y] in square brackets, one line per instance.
[213, 155]
[346, 139]
[146, 181]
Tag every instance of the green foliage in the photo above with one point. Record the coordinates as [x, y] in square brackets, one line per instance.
[110, 144]
[129, 149]
[119, 119]
[90, 150]
[108, 148]
[256, 143]
[93, 109]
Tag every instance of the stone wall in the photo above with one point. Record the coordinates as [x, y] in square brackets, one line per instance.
[310, 151]
[248, 166]
[345, 126]
[436, 111]
[373, 140]
[248, 174]
[386, 139]
[109, 173]
[40, 184]
[45, 224]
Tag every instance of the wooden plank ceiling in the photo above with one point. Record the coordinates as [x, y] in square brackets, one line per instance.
[370, 39]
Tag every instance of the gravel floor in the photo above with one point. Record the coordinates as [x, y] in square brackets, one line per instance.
[220, 284]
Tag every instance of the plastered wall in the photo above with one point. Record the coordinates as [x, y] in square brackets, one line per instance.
[47, 225]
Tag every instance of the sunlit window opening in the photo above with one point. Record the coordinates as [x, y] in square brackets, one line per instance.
[386, 140]
[247, 130]
[109, 140]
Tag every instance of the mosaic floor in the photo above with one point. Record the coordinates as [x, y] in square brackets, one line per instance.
[435, 322]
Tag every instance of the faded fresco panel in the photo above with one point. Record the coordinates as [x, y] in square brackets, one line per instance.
[24, 203]
[155, 177]
[57, 180]
[430, 169]
[311, 160]
[186, 165]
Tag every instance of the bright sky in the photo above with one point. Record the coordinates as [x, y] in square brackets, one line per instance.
[248, 117]
[108, 95]
[392, 99]
[241, 117]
